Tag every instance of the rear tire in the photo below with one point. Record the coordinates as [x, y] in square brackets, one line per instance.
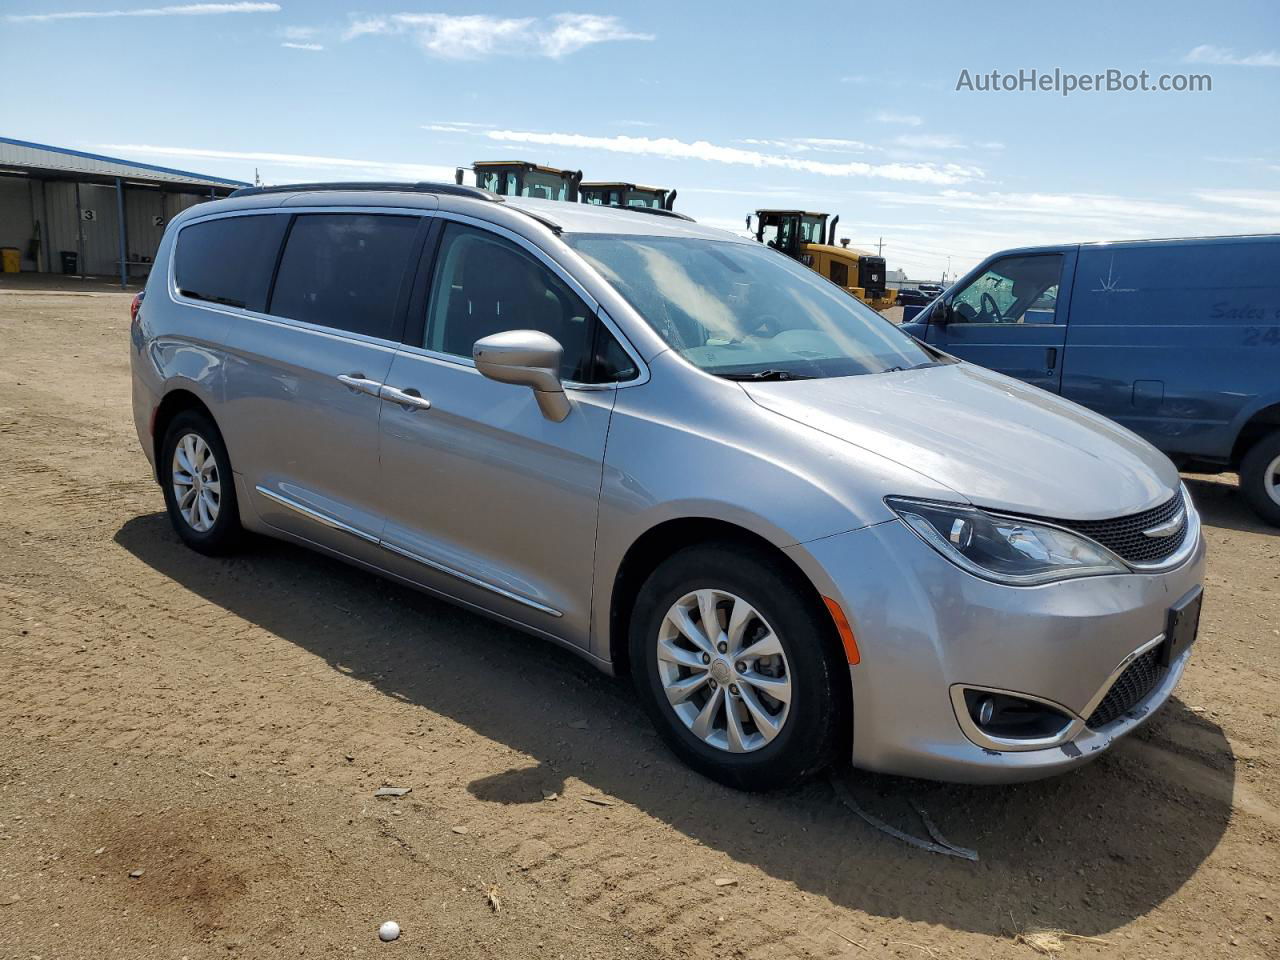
[1260, 478]
[199, 488]
[773, 609]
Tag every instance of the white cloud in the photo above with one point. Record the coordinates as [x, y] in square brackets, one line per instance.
[922, 229]
[1088, 216]
[477, 36]
[670, 147]
[302, 46]
[293, 161]
[930, 141]
[907, 119]
[1256, 201]
[573, 31]
[1224, 57]
[803, 144]
[181, 10]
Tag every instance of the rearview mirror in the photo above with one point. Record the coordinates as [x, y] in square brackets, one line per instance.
[527, 358]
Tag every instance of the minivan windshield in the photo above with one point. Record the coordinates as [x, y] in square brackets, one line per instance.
[742, 311]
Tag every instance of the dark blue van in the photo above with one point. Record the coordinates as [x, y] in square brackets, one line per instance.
[1178, 340]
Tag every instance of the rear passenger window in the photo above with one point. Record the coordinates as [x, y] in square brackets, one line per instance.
[344, 270]
[229, 260]
[485, 284]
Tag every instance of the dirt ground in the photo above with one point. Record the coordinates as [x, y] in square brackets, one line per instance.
[222, 725]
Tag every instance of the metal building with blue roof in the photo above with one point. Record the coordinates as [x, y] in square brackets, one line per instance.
[68, 211]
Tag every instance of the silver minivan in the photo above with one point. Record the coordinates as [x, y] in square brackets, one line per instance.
[804, 534]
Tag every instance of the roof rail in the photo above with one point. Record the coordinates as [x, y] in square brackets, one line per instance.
[656, 211]
[444, 189]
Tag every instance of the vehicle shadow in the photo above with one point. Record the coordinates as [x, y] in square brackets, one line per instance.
[1086, 852]
[1220, 504]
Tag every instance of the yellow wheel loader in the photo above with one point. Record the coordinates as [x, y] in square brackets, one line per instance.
[810, 238]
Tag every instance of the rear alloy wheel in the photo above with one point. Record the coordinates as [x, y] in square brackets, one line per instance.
[199, 489]
[197, 485]
[738, 666]
[1260, 478]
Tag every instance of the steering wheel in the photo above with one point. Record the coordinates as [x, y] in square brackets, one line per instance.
[990, 309]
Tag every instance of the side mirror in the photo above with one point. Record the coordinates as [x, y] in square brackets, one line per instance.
[940, 314]
[527, 358]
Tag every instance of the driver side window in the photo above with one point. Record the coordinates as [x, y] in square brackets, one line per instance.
[1012, 290]
[485, 284]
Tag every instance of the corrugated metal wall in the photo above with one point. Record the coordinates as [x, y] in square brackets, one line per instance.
[60, 205]
[92, 231]
[16, 228]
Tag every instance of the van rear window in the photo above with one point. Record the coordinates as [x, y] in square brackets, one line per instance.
[229, 260]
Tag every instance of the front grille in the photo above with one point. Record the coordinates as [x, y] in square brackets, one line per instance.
[1131, 688]
[1123, 536]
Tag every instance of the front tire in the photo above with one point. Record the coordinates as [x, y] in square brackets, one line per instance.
[199, 489]
[1260, 478]
[758, 700]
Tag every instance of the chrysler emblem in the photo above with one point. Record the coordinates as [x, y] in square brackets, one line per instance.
[1168, 528]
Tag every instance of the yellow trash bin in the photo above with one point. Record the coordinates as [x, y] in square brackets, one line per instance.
[10, 259]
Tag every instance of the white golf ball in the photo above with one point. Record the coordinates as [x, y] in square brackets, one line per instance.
[389, 931]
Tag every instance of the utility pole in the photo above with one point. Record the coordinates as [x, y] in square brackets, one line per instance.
[948, 273]
[880, 248]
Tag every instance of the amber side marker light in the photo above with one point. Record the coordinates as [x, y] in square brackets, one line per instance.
[845, 631]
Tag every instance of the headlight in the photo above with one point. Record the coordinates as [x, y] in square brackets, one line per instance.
[1005, 549]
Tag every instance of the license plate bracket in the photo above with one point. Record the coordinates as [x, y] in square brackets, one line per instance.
[1181, 627]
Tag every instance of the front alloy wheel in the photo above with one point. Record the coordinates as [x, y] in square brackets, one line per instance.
[724, 671]
[737, 663]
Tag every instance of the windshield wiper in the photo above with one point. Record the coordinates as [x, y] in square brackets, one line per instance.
[914, 366]
[762, 375]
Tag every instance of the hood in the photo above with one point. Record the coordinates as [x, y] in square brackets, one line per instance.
[996, 441]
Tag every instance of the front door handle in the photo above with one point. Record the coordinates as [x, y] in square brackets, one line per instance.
[1051, 358]
[409, 398]
[359, 383]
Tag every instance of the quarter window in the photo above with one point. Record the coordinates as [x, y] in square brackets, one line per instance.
[229, 260]
[345, 270]
[484, 284]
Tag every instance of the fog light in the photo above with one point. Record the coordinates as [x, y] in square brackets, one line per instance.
[986, 710]
[1010, 717]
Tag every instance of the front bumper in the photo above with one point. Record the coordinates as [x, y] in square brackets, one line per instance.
[924, 626]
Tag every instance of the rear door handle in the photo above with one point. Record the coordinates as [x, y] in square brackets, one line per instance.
[409, 398]
[359, 383]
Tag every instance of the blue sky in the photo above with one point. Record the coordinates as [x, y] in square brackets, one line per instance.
[737, 105]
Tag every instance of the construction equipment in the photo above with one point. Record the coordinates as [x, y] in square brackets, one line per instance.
[519, 178]
[610, 194]
[810, 237]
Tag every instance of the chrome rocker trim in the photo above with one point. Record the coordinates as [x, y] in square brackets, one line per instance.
[334, 524]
